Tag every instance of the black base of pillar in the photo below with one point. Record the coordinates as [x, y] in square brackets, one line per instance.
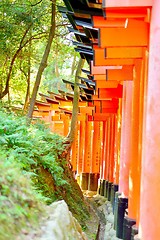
[117, 194]
[102, 186]
[134, 232]
[122, 205]
[127, 227]
[114, 189]
[106, 189]
[84, 181]
[93, 181]
[109, 191]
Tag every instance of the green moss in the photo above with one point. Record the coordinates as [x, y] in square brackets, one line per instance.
[19, 204]
[37, 154]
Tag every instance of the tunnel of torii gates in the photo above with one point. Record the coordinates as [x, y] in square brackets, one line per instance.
[118, 136]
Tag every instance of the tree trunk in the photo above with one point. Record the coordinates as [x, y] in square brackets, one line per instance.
[28, 77]
[21, 46]
[28, 86]
[74, 63]
[74, 120]
[43, 63]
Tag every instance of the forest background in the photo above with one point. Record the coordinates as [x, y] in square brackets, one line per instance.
[25, 29]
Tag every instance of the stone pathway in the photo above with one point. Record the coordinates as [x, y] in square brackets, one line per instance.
[105, 208]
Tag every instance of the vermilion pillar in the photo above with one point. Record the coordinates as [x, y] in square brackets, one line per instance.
[116, 150]
[81, 146]
[111, 157]
[150, 181]
[135, 162]
[125, 155]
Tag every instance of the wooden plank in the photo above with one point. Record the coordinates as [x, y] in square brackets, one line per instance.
[111, 64]
[56, 118]
[110, 92]
[102, 55]
[101, 116]
[88, 148]
[126, 73]
[125, 37]
[106, 84]
[99, 22]
[84, 110]
[124, 52]
[96, 148]
[98, 77]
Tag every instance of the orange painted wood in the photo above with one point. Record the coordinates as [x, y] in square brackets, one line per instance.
[81, 117]
[102, 161]
[100, 116]
[111, 157]
[127, 13]
[122, 54]
[149, 208]
[66, 122]
[125, 154]
[65, 104]
[108, 152]
[99, 22]
[56, 117]
[116, 149]
[110, 92]
[106, 104]
[127, 3]
[86, 109]
[135, 163]
[55, 106]
[80, 167]
[43, 107]
[96, 148]
[104, 173]
[105, 110]
[58, 127]
[106, 84]
[88, 147]
[125, 37]
[126, 73]
[111, 62]
[98, 77]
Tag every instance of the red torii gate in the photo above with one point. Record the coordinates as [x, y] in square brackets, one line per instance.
[118, 129]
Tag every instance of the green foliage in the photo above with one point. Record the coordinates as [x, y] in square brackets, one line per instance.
[19, 204]
[33, 152]
[31, 146]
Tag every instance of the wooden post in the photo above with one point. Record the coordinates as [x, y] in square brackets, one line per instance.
[150, 198]
[125, 156]
[81, 147]
[135, 163]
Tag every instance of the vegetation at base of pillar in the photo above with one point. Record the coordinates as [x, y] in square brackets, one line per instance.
[31, 153]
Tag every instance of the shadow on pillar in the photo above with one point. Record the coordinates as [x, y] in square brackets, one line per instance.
[102, 187]
[122, 206]
[106, 189]
[127, 227]
[134, 232]
[84, 181]
[114, 189]
[109, 191]
[117, 194]
[93, 181]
